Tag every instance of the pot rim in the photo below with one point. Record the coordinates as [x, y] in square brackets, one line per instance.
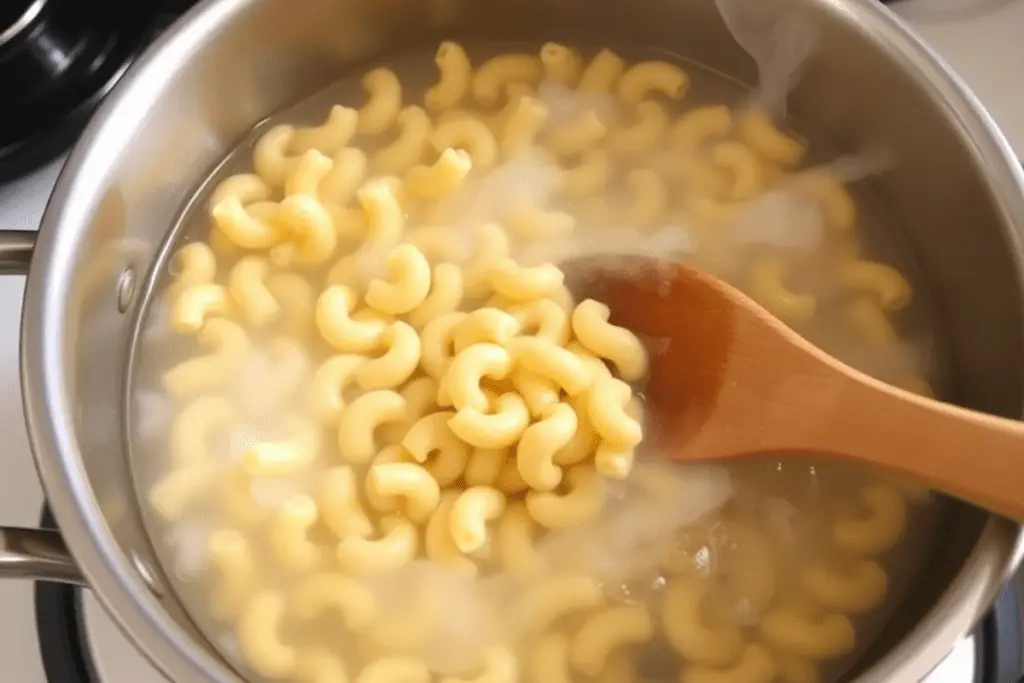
[119, 586]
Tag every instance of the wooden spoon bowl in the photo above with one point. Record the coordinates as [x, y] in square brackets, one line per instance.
[727, 379]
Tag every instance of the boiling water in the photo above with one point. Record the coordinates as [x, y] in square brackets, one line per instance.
[729, 529]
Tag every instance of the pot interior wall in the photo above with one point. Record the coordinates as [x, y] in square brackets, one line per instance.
[182, 113]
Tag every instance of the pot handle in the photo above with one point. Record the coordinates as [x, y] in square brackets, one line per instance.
[39, 554]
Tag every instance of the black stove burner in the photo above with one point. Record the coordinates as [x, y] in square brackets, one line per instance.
[66, 657]
[58, 59]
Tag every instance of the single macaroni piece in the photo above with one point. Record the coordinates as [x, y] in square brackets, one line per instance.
[470, 135]
[484, 326]
[327, 389]
[551, 362]
[305, 178]
[601, 634]
[333, 319]
[607, 409]
[327, 138]
[523, 126]
[493, 76]
[431, 435]
[881, 529]
[835, 201]
[357, 443]
[395, 669]
[395, 548]
[685, 630]
[500, 665]
[232, 557]
[590, 177]
[181, 488]
[437, 345]
[698, 128]
[472, 510]
[193, 264]
[756, 665]
[825, 637]
[248, 188]
[854, 590]
[547, 318]
[469, 368]
[406, 150]
[541, 395]
[456, 78]
[604, 340]
[768, 286]
[602, 73]
[384, 100]
[535, 453]
[229, 344]
[514, 94]
[445, 295]
[498, 429]
[578, 135]
[642, 80]
[757, 130]
[520, 283]
[885, 282]
[561, 64]
[397, 364]
[385, 217]
[546, 602]
[193, 427]
[312, 237]
[866, 317]
[247, 287]
[348, 171]
[289, 534]
[581, 503]
[258, 632]
[439, 543]
[339, 505]
[409, 481]
[270, 156]
[644, 134]
[319, 593]
[440, 179]
[288, 456]
[319, 665]
[408, 284]
[190, 310]
[747, 172]
[533, 223]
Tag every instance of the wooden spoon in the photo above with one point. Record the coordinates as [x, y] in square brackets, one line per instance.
[733, 381]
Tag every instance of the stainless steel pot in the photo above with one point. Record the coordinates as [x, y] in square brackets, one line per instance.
[957, 197]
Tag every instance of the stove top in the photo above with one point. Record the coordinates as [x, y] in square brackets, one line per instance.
[52, 633]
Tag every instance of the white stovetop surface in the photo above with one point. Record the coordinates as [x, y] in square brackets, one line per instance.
[980, 39]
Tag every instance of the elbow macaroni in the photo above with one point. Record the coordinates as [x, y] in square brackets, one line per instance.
[481, 416]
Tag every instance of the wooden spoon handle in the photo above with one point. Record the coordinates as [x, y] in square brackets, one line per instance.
[971, 455]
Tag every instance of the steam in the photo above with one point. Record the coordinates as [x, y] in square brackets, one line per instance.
[780, 44]
[624, 549]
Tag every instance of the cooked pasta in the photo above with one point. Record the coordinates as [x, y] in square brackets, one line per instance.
[387, 383]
